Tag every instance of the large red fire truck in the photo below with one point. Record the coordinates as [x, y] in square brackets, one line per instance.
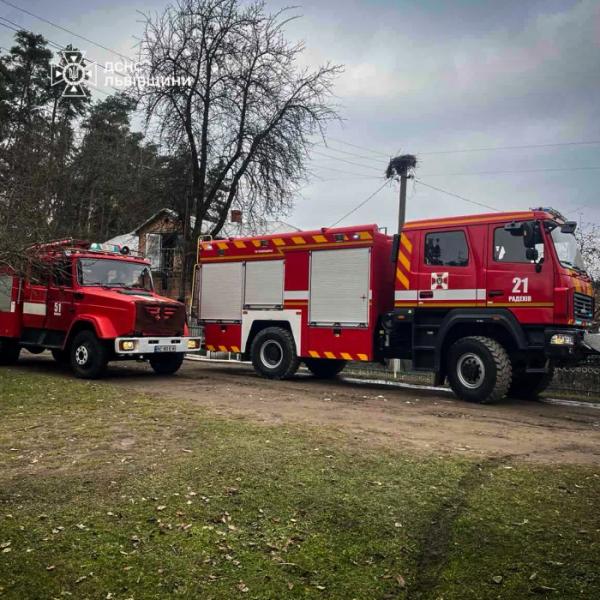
[90, 304]
[490, 303]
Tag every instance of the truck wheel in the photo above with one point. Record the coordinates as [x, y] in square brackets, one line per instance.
[479, 369]
[166, 364]
[324, 368]
[60, 356]
[9, 352]
[273, 353]
[88, 356]
[528, 386]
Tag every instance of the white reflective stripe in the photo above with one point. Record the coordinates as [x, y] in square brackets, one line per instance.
[13, 307]
[481, 294]
[405, 295]
[34, 308]
[455, 294]
[295, 295]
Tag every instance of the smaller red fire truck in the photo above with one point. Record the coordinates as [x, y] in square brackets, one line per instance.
[490, 303]
[90, 304]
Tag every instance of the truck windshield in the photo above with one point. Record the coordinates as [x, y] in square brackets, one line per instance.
[567, 249]
[114, 273]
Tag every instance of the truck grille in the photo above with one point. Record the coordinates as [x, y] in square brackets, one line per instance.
[160, 319]
[583, 307]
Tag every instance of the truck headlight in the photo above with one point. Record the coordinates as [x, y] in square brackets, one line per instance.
[562, 339]
[193, 344]
[127, 345]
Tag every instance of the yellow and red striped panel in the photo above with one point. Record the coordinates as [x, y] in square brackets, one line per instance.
[287, 242]
[338, 355]
[404, 262]
[213, 348]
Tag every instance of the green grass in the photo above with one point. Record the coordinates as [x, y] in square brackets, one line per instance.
[105, 495]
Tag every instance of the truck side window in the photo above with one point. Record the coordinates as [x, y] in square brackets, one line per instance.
[511, 249]
[447, 248]
[39, 272]
[63, 274]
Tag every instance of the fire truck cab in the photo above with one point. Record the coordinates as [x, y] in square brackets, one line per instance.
[490, 303]
[89, 304]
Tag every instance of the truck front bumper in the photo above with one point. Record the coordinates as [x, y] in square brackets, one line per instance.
[568, 346]
[139, 346]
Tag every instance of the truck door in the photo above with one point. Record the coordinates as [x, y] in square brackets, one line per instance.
[35, 295]
[515, 281]
[59, 311]
[450, 272]
[10, 314]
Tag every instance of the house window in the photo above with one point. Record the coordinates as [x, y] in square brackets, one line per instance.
[154, 250]
[447, 249]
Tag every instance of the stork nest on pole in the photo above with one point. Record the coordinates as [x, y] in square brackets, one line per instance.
[401, 164]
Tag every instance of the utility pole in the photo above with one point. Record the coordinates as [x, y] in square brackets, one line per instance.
[402, 204]
[400, 167]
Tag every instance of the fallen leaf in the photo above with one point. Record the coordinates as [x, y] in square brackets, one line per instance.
[497, 579]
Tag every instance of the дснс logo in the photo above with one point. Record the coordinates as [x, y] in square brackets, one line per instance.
[72, 72]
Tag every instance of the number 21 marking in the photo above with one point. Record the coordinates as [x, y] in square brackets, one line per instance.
[520, 285]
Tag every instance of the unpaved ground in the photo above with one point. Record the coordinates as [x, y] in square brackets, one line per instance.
[416, 419]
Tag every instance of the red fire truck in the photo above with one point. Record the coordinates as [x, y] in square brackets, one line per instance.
[90, 304]
[490, 303]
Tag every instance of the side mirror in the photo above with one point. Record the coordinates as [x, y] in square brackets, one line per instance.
[569, 227]
[532, 254]
[529, 235]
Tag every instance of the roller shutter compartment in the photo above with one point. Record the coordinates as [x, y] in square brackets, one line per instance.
[264, 284]
[221, 291]
[339, 287]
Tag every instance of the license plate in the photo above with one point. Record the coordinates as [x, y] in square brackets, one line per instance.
[165, 348]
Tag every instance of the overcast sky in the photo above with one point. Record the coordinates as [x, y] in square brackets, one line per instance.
[423, 76]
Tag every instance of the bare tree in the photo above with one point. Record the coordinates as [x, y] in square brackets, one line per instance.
[246, 112]
[588, 237]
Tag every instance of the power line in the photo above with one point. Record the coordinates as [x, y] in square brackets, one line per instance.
[481, 149]
[456, 195]
[347, 161]
[348, 172]
[360, 147]
[512, 172]
[524, 146]
[17, 28]
[82, 37]
[361, 204]
[332, 149]
[50, 42]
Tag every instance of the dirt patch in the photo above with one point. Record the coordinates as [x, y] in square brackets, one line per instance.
[421, 420]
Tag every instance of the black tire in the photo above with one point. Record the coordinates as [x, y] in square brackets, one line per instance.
[60, 356]
[273, 353]
[166, 364]
[528, 386]
[9, 351]
[324, 368]
[479, 369]
[88, 356]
